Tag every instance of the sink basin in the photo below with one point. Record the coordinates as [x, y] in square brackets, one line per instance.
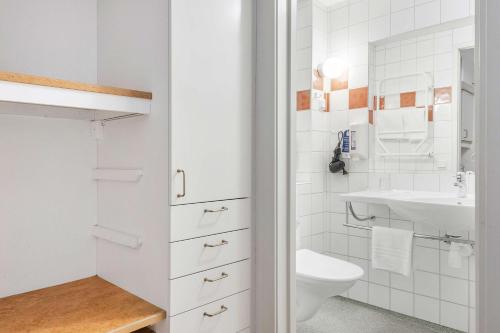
[444, 211]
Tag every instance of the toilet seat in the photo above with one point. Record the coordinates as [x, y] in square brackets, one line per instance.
[322, 268]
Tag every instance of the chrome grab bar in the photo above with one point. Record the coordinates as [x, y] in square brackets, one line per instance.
[183, 194]
[222, 242]
[222, 310]
[222, 209]
[222, 276]
[447, 238]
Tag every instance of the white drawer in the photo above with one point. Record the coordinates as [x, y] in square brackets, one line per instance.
[235, 316]
[197, 220]
[202, 288]
[200, 254]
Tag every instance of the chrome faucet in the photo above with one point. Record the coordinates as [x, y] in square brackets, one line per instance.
[461, 185]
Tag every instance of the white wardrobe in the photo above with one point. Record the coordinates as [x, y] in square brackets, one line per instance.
[211, 103]
[160, 203]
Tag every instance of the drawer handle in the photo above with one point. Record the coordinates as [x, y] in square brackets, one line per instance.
[222, 276]
[222, 310]
[222, 242]
[183, 194]
[222, 209]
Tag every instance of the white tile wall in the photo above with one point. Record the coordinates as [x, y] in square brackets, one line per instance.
[434, 291]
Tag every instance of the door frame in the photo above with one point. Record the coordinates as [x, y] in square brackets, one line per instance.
[273, 207]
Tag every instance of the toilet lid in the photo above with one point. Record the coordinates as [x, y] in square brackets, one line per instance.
[317, 266]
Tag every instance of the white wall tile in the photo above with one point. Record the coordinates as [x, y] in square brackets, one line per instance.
[358, 34]
[427, 14]
[443, 44]
[358, 182]
[337, 183]
[317, 243]
[358, 247]
[402, 302]
[358, 55]
[393, 54]
[427, 284]
[317, 203]
[426, 182]
[379, 276]
[454, 9]
[338, 40]
[358, 12]
[304, 16]
[444, 61]
[409, 51]
[402, 21]
[463, 35]
[338, 243]
[454, 316]
[380, 28]
[427, 308]
[379, 8]
[304, 38]
[425, 48]
[379, 296]
[401, 181]
[338, 18]
[397, 5]
[339, 100]
[336, 221]
[454, 290]
[359, 291]
[426, 259]
[402, 282]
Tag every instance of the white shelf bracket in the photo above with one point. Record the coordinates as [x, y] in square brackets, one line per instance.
[115, 236]
[98, 129]
[118, 175]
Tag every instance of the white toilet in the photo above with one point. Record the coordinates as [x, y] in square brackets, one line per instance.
[320, 277]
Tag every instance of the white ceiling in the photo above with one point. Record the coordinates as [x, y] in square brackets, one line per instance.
[330, 2]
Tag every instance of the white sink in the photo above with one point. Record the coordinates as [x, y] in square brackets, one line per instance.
[444, 211]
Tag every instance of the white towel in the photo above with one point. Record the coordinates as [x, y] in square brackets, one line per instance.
[392, 250]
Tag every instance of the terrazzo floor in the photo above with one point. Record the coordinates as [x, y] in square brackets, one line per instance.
[341, 315]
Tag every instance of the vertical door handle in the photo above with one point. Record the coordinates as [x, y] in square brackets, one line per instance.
[466, 133]
[183, 194]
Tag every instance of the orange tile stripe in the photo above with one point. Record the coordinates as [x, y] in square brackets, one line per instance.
[407, 99]
[358, 98]
[303, 100]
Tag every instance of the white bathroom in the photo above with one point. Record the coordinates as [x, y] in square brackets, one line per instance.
[385, 166]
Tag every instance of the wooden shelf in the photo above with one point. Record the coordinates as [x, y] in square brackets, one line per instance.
[90, 305]
[67, 99]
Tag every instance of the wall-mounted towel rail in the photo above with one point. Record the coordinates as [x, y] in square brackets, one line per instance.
[447, 238]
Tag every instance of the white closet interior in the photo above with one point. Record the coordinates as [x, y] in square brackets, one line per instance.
[89, 179]
[59, 179]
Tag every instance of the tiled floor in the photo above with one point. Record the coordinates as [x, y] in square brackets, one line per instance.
[340, 315]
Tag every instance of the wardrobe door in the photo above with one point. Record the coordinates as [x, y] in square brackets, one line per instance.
[211, 99]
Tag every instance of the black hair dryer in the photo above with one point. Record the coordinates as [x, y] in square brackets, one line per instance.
[336, 165]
